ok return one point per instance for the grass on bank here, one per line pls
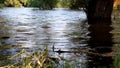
(39, 59)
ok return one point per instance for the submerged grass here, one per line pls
(39, 59)
(117, 61)
(116, 58)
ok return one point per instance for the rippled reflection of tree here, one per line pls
(100, 44)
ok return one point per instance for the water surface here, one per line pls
(64, 31)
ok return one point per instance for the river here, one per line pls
(65, 32)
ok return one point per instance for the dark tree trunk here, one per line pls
(100, 43)
(100, 9)
(99, 17)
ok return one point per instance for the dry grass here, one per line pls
(39, 59)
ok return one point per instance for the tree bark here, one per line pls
(99, 9)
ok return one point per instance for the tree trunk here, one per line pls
(100, 9)
(100, 43)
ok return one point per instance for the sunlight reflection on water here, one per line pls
(35, 28)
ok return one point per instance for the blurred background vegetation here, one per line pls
(50, 4)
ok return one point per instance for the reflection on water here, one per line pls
(101, 44)
(59, 29)
(64, 31)
(35, 27)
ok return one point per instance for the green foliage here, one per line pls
(77, 4)
(37, 59)
(117, 61)
(43, 4)
(24, 2)
(2, 3)
(118, 7)
(63, 3)
(46, 4)
(49, 4)
(15, 3)
(73, 4)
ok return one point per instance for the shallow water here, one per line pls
(64, 31)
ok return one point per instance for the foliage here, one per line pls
(15, 3)
(1, 3)
(117, 61)
(43, 4)
(74, 4)
(37, 59)
(77, 4)
(63, 3)
(118, 7)
(46, 4)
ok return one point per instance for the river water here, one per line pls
(65, 32)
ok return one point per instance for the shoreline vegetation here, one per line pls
(42, 59)
(37, 59)
(50, 4)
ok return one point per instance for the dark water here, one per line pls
(64, 31)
